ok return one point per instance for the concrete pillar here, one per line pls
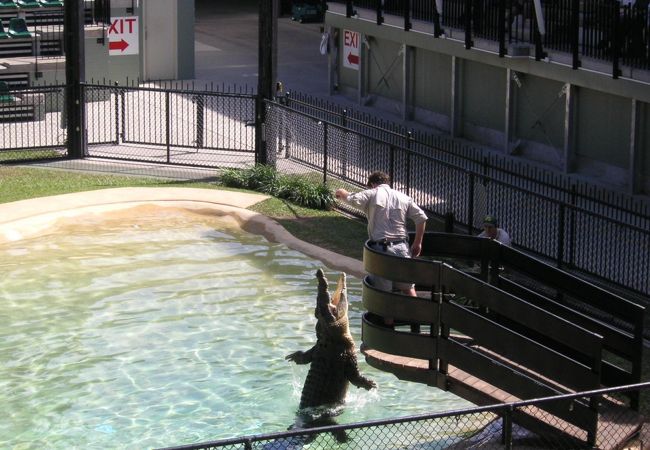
(634, 184)
(456, 126)
(570, 111)
(364, 64)
(408, 81)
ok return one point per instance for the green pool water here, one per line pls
(165, 329)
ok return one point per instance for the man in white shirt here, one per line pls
(491, 230)
(387, 211)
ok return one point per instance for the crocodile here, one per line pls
(333, 360)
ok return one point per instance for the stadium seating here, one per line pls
(28, 3)
(3, 33)
(8, 4)
(18, 28)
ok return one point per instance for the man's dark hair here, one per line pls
(378, 178)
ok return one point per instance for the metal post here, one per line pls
(561, 236)
(437, 29)
(167, 124)
(502, 28)
(616, 40)
(407, 15)
(391, 170)
(325, 156)
(380, 12)
(468, 24)
(73, 22)
(575, 33)
(267, 63)
(470, 205)
(117, 118)
(349, 11)
(507, 427)
(200, 119)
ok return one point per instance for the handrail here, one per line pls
(586, 338)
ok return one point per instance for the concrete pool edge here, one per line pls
(25, 218)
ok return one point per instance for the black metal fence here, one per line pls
(604, 30)
(42, 35)
(171, 124)
(575, 225)
(494, 427)
(31, 124)
(574, 231)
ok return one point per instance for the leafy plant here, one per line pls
(307, 193)
(294, 188)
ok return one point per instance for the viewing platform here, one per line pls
(503, 327)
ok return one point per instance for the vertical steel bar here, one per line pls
(559, 258)
(325, 153)
(167, 130)
(502, 28)
(468, 24)
(575, 33)
(380, 11)
(470, 204)
(407, 14)
(616, 40)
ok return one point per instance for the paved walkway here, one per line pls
(25, 218)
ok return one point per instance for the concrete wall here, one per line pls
(385, 69)
(575, 121)
(538, 117)
(603, 134)
(483, 110)
(432, 86)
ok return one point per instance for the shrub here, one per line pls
(305, 193)
(293, 188)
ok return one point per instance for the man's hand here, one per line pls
(416, 249)
(341, 194)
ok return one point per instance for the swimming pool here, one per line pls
(155, 328)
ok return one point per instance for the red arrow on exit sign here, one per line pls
(353, 59)
(120, 45)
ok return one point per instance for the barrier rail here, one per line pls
(607, 31)
(510, 346)
(564, 229)
(490, 426)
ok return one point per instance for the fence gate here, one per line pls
(171, 126)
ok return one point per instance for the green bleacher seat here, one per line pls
(28, 3)
(5, 96)
(8, 4)
(3, 33)
(50, 3)
(18, 28)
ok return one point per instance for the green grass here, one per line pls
(328, 229)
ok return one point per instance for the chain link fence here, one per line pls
(562, 230)
(171, 125)
(523, 424)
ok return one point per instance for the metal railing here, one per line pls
(568, 230)
(619, 206)
(603, 30)
(171, 124)
(494, 426)
(198, 127)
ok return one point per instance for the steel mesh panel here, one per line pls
(172, 127)
(621, 252)
(102, 115)
(532, 222)
(439, 188)
(32, 125)
(227, 122)
(295, 137)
